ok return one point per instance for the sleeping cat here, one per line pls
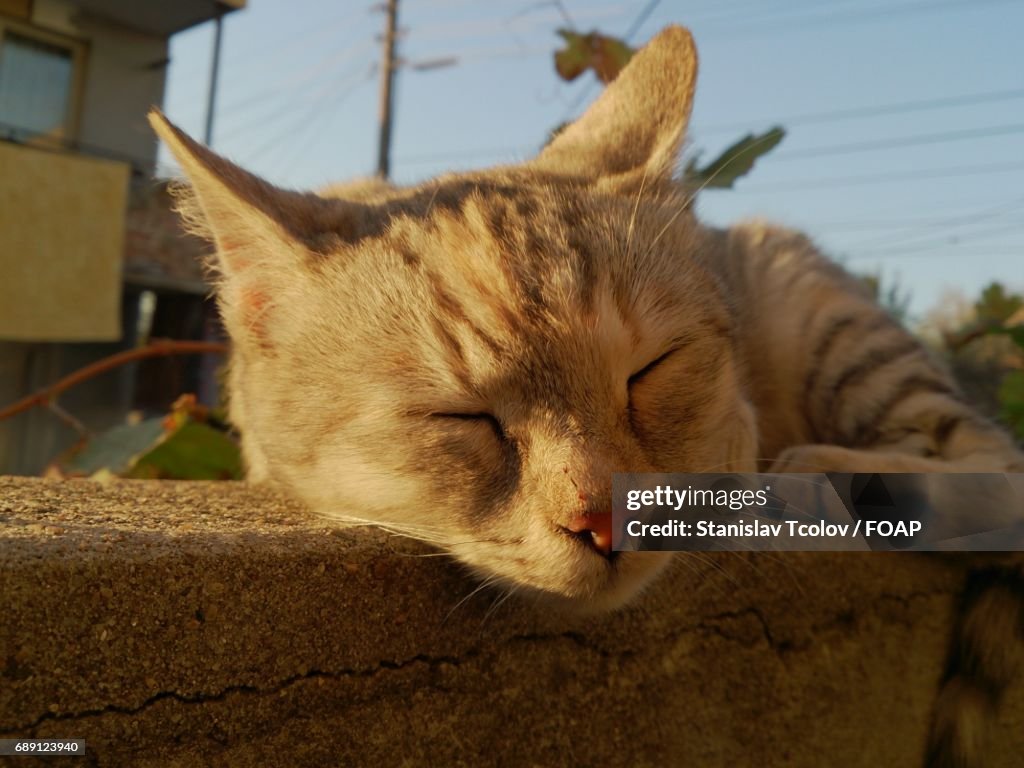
(469, 360)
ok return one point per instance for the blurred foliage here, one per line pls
(995, 306)
(990, 346)
(1011, 389)
(607, 56)
(1011, 395)
(891, 296)
(601, 53)
(189, 443)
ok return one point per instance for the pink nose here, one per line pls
(594, 529)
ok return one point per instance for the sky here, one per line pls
(904, 151)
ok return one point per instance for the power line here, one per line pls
(933, 173)
(1016, 251)
(308, 76)
(641, 19)
(297, 143)
(752, 11)
(530, 22)
(942, 224)
(279, 139)
(941, 241)
(794, 185)
(482, 152)
(788, 24)
(830, 19)
(461, 55)
(270, 56)
(279, 110)
(913, 222)
(807, 118)
(834, 149)
(904, 141)
(871, 111)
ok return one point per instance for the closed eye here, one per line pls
(639, 375)
(483, 418)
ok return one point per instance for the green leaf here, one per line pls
(194, 451)
(116, 450)
(180, 446)
(1011, 397)
(734, 162)
(605, 55)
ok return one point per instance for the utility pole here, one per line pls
(211, 100)
(387, 80)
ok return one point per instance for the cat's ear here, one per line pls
(265, 237)
(637, 125)
(243, 214)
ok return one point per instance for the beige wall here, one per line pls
(62, 227)
(61, 239)
(125, 72)
(61, 244)
(123, 76)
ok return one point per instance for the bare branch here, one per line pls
(160, 348)
(67, 418)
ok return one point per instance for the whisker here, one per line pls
(689, 200)
(433, 197)
(714, 467)
(684, 560)
(428, 554)
(351, 520)
(483, 585)
(711, 560)
(636, 208)
(498, 603)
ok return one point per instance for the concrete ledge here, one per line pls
(174, 624)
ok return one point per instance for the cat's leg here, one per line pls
(987, 653)
(843, 387)
(829, 369)
(835, 458)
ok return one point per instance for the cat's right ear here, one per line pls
(264, 236)
(636, 128)
(239, 211)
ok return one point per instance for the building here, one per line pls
(91, 261)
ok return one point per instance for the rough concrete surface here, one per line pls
(188, 624)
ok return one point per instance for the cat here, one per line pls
(469, 360)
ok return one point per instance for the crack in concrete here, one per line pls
(709, 624)
(204, 698)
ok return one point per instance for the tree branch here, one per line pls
(159, 348)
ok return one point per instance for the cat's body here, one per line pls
(469, 361)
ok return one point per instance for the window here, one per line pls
(37, 85)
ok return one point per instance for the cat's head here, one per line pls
(470, 360)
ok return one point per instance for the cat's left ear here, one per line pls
(636, 127)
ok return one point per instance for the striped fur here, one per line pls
(467, 361)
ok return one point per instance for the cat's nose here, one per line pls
(595, 530)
